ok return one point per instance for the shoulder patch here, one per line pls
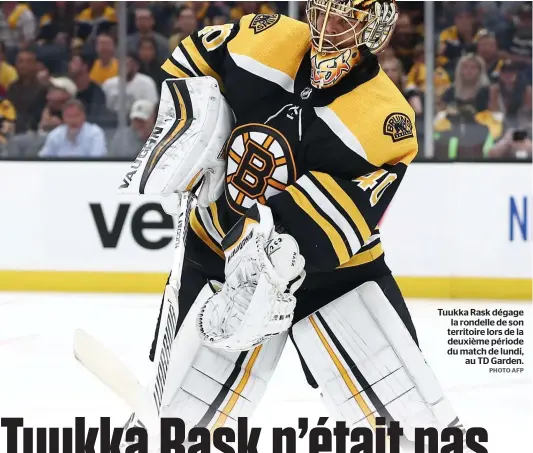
(262, 22)
(398, 126)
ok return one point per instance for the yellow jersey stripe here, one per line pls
(172, 69)
(345, 201)
(330, 231)
(364, 257)
(202, 234)
(216, 222)
(199, 61)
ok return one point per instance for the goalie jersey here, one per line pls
(327, 162)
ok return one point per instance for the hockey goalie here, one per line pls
(293, 141)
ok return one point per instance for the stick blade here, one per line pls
(107, 367)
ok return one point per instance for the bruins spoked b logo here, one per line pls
(260, 164)
(262, 22)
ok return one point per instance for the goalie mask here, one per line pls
(340, 29)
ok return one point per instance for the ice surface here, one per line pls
(41, 381)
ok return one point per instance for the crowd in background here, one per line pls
(59, 82)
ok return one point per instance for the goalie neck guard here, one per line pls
(342, 31)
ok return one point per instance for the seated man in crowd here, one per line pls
(150, 63)
(129, 141)
(487, 48)
(460, 38)
(88, 92)
(61, 90)
(97, 18)
(76, 137)
(404, 41)
(145, 23)
(27, 94)
(106, 65)
(57, 26)
(138, 86)
(185, 24)
(416, 79)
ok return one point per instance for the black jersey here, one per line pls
(327, 162)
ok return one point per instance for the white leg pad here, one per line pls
(213, 387)
(367, 365)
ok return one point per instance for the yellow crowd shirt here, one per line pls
(100, 73)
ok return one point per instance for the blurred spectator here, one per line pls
(416, 79)
(515, 144)
(489, 15)
(149, 61)
(138, 86)
(57, 26)
(393, 68)
(458, 39)
(43, 73)
(386, 54)
(220, 16)
(463, 133)
(185, 24)
(516, 40)
(8, 74)
(404, 41)
(18, 27)
(8, 117)
(415, 11)
(487, 48)
(76, 137)
(27, 94)
(106, 65)
(128, 142)
(144, 21)
(471, 84)
(212, 13)
(61, 90)
(243, 8)
(466, 128)
(89, 93)
(511, 94)
(98, 18)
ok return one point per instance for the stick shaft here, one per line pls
(169, 314)
(186, 204)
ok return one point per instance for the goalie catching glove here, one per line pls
(263, 270)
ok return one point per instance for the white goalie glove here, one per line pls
(185, 147)
(263, 270)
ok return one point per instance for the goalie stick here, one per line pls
(145, 402)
